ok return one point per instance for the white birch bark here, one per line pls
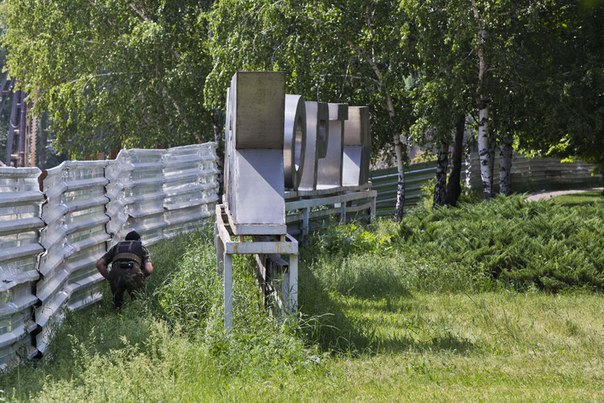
(398, 149)
(484, 150)
(484, 153)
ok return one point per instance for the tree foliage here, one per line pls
(567, 105)
(326, 48)
(110, 73)
(152, 73)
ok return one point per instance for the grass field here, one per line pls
(388, 313)
(595, 197)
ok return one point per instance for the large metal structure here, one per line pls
(255, 177)
(283, 177)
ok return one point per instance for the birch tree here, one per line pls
(445, 87)
(484, 139)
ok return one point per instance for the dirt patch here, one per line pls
(546, 195)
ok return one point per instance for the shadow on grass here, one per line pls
(447, 342)
(329, 326)
(354, 326)
(580, 199)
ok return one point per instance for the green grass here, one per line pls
(594, 197)
(389, 312)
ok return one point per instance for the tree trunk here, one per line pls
(400, 183)
(440, 189)
(398, 147)
(218, 128)
(454, 183)
(484, 151)
(505, 165)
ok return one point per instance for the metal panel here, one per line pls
(259, 99)
(259, 190)
(357, 147)
(20, 200)
(330, 168)
(254, 149)
(294, 140)
(316, 142)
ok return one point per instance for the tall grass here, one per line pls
(157, 346)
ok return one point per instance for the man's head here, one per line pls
(133, 236)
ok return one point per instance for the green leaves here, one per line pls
(111, 74)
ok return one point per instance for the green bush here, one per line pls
(522, 244)
(352, 238)
(477, 246)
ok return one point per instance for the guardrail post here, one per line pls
(305, 223)
(343, 213)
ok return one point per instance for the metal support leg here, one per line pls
(219, 246)
(292, 274)
(343, 213)
(305, 223)
(228, 292)
(373, 210)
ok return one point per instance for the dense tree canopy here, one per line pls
(112, 73)
(344, 51)
(153, 73)
(567, 100)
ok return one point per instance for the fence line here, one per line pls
(50, 239)
(20, 201)
(307, 211)
(527, 175)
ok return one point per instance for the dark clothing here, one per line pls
(127, 273)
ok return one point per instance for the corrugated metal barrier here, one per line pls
(51, 239)
(20, 201)
(527, 175)
(534, 174)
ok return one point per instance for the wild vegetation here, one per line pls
(387, 312)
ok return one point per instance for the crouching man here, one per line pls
(130, 264)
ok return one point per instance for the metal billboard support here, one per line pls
(226, 247)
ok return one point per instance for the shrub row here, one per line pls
(479, 246)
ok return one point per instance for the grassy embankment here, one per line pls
(494, 301)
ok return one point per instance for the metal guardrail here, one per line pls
(136, 193)
(74, 237)
(384, 181)
(51, 239)
(191, 187)
(307, 211)
(533, 174)
(527, 175)
(20, 200)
